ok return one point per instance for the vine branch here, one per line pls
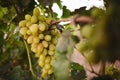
(77, 19)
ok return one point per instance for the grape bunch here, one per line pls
(41, 37)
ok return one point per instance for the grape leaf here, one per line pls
(61, 64)
(66, 12)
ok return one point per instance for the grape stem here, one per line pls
(29, 59)
(76, 19)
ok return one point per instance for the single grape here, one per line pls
(45, 51)
(41, 63)
(48, 20)
(51, 52)
(41, 36)
(33, 19)
(45, 44)
(44, 75)
(47, 37)
(29, 32)
(48, 59)
(23, 30)
(36, 11)
(47, 66)
(41, 18)
(42, 57)
(30, 39)
(54, 40)
(28, 24)
(27, 17)
(35, 45)
(52, 47)
(50, 71)
(33, 49)
(40, 48)
(36, 39)
(42, 27)
(87, 31)
(34, 29)
(22, 23)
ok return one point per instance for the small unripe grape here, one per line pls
(45, 44)
(45, 51)
(47, 37)
(33, 19)
(29, 32)
(37, 54)
(50, 71)
(22, 23)
(36, 11)
(52, 47)
(47, 66)
(41, 63)
(30, 39)
(40, 48)
(54, 40)
(41, 36)
(33, 49)
(25, 37)
(34, 29)
(23, 31)
(42, 27)
(82, 45)
(42, 57)
(28, 24)
(51, 52)
(52, 32)
(48, 59)
(27, 17)
(44, 75)
(35, 45)
(41, 18)
(36, 39)
(48, 20)
(87, 31)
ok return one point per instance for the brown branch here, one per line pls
(77, 19)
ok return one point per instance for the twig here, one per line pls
(77, 19)
(29, 59)
(12, 19)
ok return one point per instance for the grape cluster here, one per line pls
(41, 37)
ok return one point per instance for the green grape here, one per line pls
(52, 32)
(45, 44)
(47, 66)
(33, 19)
(33, 49)
(40, 48)
(52, 47)
(25, 37)
(22, 23)
(54, 40)
(41, 63)
(29, 32)
(44, 70)
(48, 20)
(34, 29)
(47, 37)
(36, 11)
(36, 39)
(30, 39)
(82, 46)
(45, 51)
(51, 52)
(42, 57)
(41, 18)
(44, 75)
(34, 45)
(37, 55)
(48, 59)
(28, 24)
(23, 30)
(42, 27)
(27, 17)
(87, 31)
(50, 71)
(41, 36)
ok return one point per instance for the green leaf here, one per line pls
(59, 3)
(77, 66)
(61, 64)
(66, 12)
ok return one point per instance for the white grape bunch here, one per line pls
(41, 38)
